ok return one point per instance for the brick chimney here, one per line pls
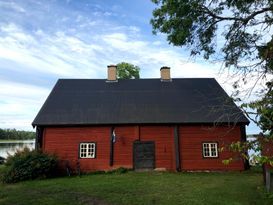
(112, 73)
(165, 73)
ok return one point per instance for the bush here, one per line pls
(26, 164)
(2, 160)
(120, 170)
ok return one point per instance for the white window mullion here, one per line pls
(87, 150)
(210, 150)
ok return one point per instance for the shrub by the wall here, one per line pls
(120, 170)
(2, 160)
(27, 164)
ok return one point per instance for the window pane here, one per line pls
(210, 150)
(87, 150)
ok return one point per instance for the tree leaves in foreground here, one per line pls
(13, 134)
(263, 110)
(244, 27)
(127, 71)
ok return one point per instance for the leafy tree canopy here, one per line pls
(127, 71)
(245, 27)
(264, 110)
(8, 134)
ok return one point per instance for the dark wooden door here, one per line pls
(144, 155)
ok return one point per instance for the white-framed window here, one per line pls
(87, 150)
(210, 149)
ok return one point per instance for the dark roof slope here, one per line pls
(93, 102)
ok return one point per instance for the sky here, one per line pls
(42, 41)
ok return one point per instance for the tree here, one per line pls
(236, 32)
(245, 27)
(127, 71)
(264, 110)
(7, 134)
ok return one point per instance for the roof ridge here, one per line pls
(133, 79)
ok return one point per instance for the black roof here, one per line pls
(142, 101)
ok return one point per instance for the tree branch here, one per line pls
(243, 20)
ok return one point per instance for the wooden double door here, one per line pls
(144, 155)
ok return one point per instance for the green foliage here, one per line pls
(26, 164)
(2, 159)
(263, 110)
(120, 170)
(256, 145)
(261, 113)
(8, 134)
(196, 24)
(227, 161)
(127, 71)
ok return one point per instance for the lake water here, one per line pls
(11, 146)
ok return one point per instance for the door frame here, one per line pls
(144, 142)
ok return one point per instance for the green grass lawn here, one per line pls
(141, 188)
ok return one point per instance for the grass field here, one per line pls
(141, 188)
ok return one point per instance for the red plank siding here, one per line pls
(191, 139)
(164, 144)
(123, 147)
(64, 142)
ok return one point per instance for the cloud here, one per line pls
(151, 56)
(19, 103)
(59, 54)
(13, 6)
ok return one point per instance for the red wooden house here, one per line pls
(165, 124)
